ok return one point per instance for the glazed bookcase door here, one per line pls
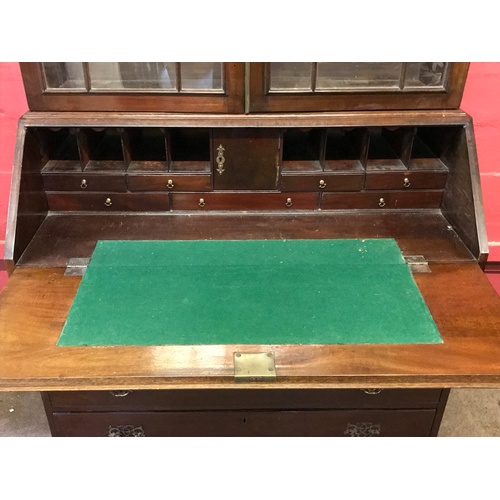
(326, 86)
(204, 87)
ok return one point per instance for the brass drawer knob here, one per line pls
(322, 184)
(170, 184)
(107, 202)
(381, 203)
(83, 184)
(406, 182)
(201, 203)
(288, 202)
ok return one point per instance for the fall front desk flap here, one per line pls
(248, 292)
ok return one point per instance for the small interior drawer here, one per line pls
(108, 201)
(381, 200)
(84, 181)
(405, 180)
(245, 201)
(322, 182)
(169, 182)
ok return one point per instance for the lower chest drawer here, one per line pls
(240, 399)
(351, 423)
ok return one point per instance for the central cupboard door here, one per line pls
(246, 159)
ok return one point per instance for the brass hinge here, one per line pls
(417, 263)
(76, 266)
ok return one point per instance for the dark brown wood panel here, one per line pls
(379, 200)
(235, 399)
(169, 182)
(249, 158)
(322, 182)
(348, 423)
(405, 180)
(111, 202)
(245, 201)
(61, 236)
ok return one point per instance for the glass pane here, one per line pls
(355, 75)
(201, 76)
(64, 75)
(290, 76)
(132, 75)
(425, 74)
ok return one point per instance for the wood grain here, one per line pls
(35, 303)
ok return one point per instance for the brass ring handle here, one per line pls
(201, 203)
(119, 394)
(107, 202)
(372, 391)
(288, 202)
(406, 182)
(170, 184)
(83, 184)
(381, 203)
(322, 184)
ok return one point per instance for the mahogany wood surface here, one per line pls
(425, 232)
(35, 303)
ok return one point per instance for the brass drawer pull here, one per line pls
(406, 182)
(372, 391)
(381, 203)
(201, 203)
(170, 184)
(108, 202)
(119, 394)
(288, 202)
(83, 184)
(322, 184)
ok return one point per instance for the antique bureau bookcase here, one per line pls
(246, 151)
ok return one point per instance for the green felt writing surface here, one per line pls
(248, 292)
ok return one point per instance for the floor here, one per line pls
(470, 413)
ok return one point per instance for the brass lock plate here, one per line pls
(254, 367)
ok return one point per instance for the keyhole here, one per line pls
(244, 420)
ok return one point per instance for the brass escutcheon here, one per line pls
(107, 202)
(381, 203)
(220, 159)
(170, 184)
(201, 203)
(322, 184)
(288, 202)
(406, 182)
(83, 184)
